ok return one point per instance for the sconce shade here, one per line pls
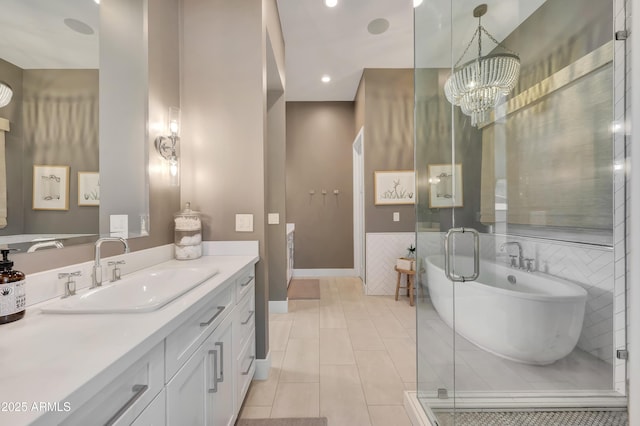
(5, 94)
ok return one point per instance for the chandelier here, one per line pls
(478, 85)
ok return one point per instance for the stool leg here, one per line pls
(408, 281)
(398, 285)
(410, 285)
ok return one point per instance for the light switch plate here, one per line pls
(244, 223)
(396, 216)
(119, 225)
(273, 219)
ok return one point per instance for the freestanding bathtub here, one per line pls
(536, 320)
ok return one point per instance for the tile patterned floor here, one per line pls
(346, 357)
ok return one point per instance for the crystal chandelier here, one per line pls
(478, 85)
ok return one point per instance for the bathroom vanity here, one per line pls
(188, 362)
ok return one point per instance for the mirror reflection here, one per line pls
(49, 182)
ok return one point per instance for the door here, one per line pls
(358, 206)
(517, 195)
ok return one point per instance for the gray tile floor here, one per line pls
(347, 357)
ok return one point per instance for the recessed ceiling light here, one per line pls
(98, 1)
(417, 3)
(78, 26)
(325, 78)
(331, 3)
(378, 26)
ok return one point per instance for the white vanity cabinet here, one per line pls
(203, 391)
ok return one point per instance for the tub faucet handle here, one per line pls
(514, 261)
(529, 264)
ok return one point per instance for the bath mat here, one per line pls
(534, 418)
(301, 421)
(304, 289)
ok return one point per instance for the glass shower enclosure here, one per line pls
(521, 208)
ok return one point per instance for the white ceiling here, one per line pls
(335, 41)
(33, 34)
(318, 40)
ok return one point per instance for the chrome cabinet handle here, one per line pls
(244, 373)
(214, 388)
(221, 346)
(138, 391)
(247, 283)
(447, 255)
(220, 309)
(245, 322)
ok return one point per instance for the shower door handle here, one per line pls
(448, 239)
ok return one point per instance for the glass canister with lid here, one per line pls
(188, 234)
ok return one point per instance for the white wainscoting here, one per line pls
(383, 248)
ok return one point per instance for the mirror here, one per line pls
(54, 171)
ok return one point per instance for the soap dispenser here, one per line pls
(12, 291)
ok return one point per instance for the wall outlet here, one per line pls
(244, 223)
(119, 225)
(396, 216)
(273, 219)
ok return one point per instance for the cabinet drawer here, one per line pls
(245, 317)
(122, 400)
(245, 282)
(246, 367)
(184, 341)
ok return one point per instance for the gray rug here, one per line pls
(301, 421)
(304, 289)
(533, 418)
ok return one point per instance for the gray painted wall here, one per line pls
(388, 141)
(319, 139)
(224, 105)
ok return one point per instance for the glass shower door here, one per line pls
(516, 204)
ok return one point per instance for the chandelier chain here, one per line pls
(478, 33)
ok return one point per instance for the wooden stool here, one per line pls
(409, 285)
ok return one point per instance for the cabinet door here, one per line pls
(202, 391)
(187, 392)
(222, 392)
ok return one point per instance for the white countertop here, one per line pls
(67, 358)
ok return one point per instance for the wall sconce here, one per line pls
(5, 94)
(167, 146)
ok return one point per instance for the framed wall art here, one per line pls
(445, 185)
(88, 189)
(50, 188)
(395, 187)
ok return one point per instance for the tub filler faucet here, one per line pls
(96, 280)
(516, 261)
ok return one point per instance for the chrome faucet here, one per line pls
(45, 244)
(97, 268)
(516, 262)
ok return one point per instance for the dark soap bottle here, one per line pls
(12, 291)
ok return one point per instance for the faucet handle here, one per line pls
(514, 261)
(115, 275)
(529, 264)
(70, 285)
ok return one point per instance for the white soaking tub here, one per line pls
(536, 320)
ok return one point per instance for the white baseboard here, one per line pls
(414, 410)
(324, 272)
(278, 306)
(263, 366)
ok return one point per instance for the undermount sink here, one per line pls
(139, 292)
